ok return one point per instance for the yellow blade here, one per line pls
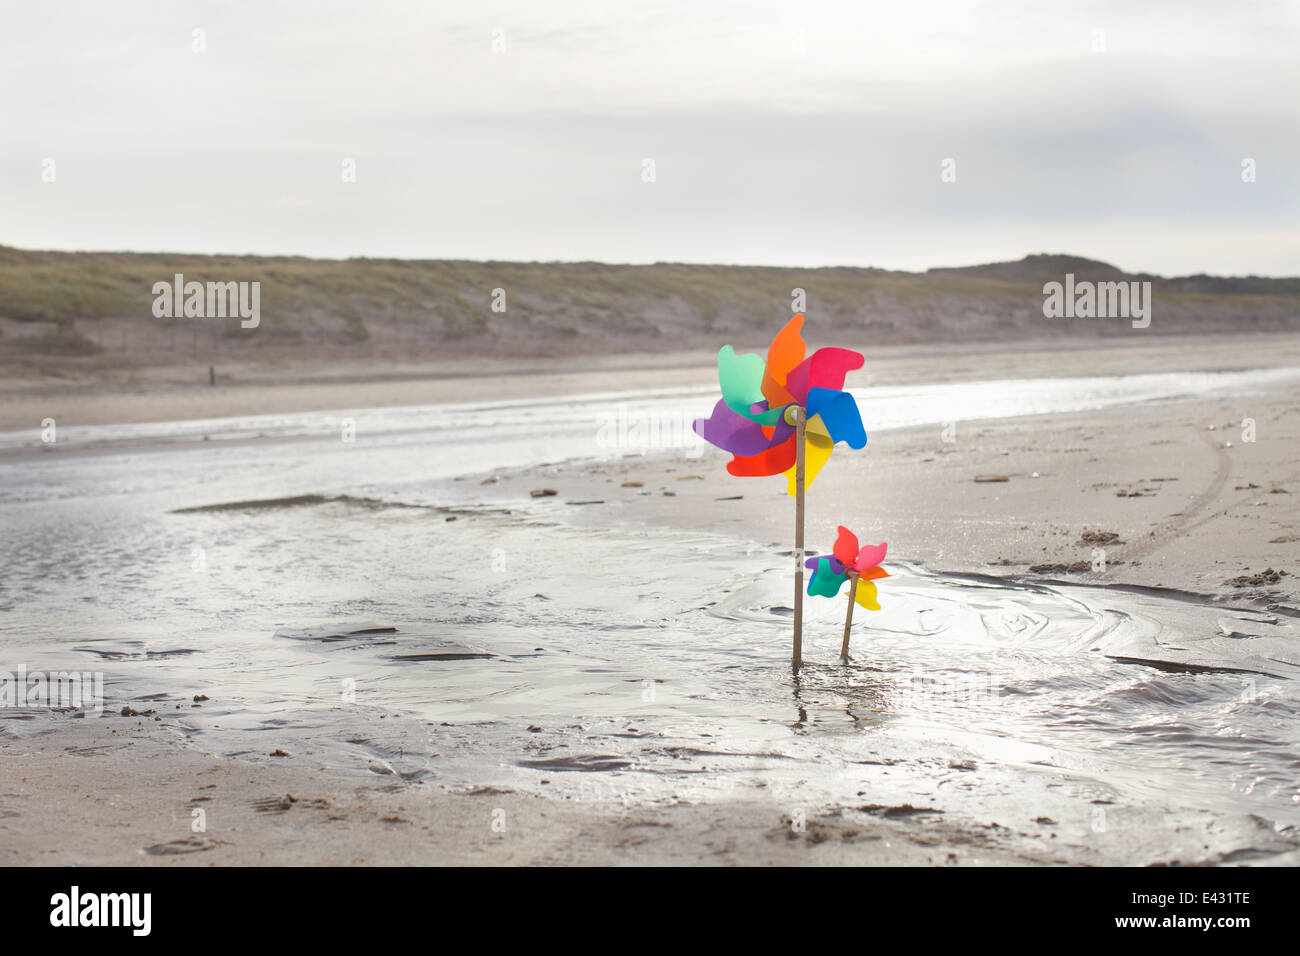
(817, 448)
(866, 595)
(816, 426)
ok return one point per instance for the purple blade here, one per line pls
(837, 566)
(736, 433)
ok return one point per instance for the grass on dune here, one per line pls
(453, 298)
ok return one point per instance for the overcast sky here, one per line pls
(800, 133)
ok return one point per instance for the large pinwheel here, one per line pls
(756, 418)
(783, 416)
(848, 562)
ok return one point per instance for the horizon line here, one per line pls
(643, 264)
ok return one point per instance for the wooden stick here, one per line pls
(848, 618)
(796, 660)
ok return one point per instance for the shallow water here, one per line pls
(650, 667)
(515, 433)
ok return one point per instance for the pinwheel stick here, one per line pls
(848, 618)
(800, 424)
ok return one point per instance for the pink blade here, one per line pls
(870, 556)
(825, 368)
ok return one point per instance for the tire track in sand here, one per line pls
(1186, 520)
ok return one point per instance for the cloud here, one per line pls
(809, 134)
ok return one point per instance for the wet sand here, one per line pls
(121, 792)
(1192, 506)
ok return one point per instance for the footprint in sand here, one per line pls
(194, 844)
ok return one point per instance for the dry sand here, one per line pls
(1189, 504)
(1188, 513)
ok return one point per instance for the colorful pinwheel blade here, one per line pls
(870, 556)
(774, 461)
(837, 566)
(817, 448)
(739, 435)
(825, 368)
(824, 581)
(846, 545)
(872, 574)
(765, 416)
(741, 379)
(866, 595)
(839, 414)
(816, 426)
(785, 352)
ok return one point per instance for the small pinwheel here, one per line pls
(848, 562)
(783, 416)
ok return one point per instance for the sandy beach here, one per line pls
(1178, 502)
(663, 435)
(135, 391)
(117, 792)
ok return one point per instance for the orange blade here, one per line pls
(785, 352)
